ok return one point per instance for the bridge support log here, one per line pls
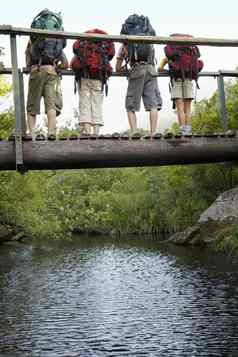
(102, 153)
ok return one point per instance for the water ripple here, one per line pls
(131, 298)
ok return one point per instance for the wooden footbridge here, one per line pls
(112, 150)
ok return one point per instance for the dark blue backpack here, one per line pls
(139, 25)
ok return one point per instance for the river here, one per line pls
(102, 297)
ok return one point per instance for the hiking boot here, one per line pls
(136, 135)
(84, 136)
(51, 137)
(11, 137)
(73, 137)
(147, 137)
(27, 137)
(125, 137)
(156, 136)
(168, 135)
(107, 136)
(40, 137)
(115, 136)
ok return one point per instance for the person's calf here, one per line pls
(132, 121)
(51, 116)
(96, 129)
(31, 122)
(153, 121)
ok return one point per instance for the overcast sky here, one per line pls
(201, 19)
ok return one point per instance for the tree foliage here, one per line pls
(6, 117)
(138, 200)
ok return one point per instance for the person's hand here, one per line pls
(162, 70)
(61, 66)
(123, 69)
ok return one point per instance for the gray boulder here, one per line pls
(223, 210)
(215, 223)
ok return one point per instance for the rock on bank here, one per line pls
(217, 224)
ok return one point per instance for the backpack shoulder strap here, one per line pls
(196, 51)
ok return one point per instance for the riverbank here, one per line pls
(10, 234)
(216, 226)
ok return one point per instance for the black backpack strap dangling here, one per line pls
(77, 82)
(106, 87)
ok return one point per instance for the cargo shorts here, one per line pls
(90, 101)
(142, 83)
(182, 89)
(42, 83)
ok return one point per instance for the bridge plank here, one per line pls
(79, 154)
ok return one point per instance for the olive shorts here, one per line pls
(142, 83)
(42, 83)
(182, 89)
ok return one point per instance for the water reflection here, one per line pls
(97, 297)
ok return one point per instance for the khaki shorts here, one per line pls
(143, 84)
(90, 102)
(182, 89)
(42, 83)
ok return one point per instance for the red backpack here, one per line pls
(92, 58)
(183, 60)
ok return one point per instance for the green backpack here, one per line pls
(47, 50)
(48, 20)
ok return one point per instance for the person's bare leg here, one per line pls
(81, 128)
(87, 128)
(51, 116)
(96, 129)
(31, 122)
(153, 120)
(132, 121)
(180, 111)
(187, 111)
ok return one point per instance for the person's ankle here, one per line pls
(51, 131)
(96, 129)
